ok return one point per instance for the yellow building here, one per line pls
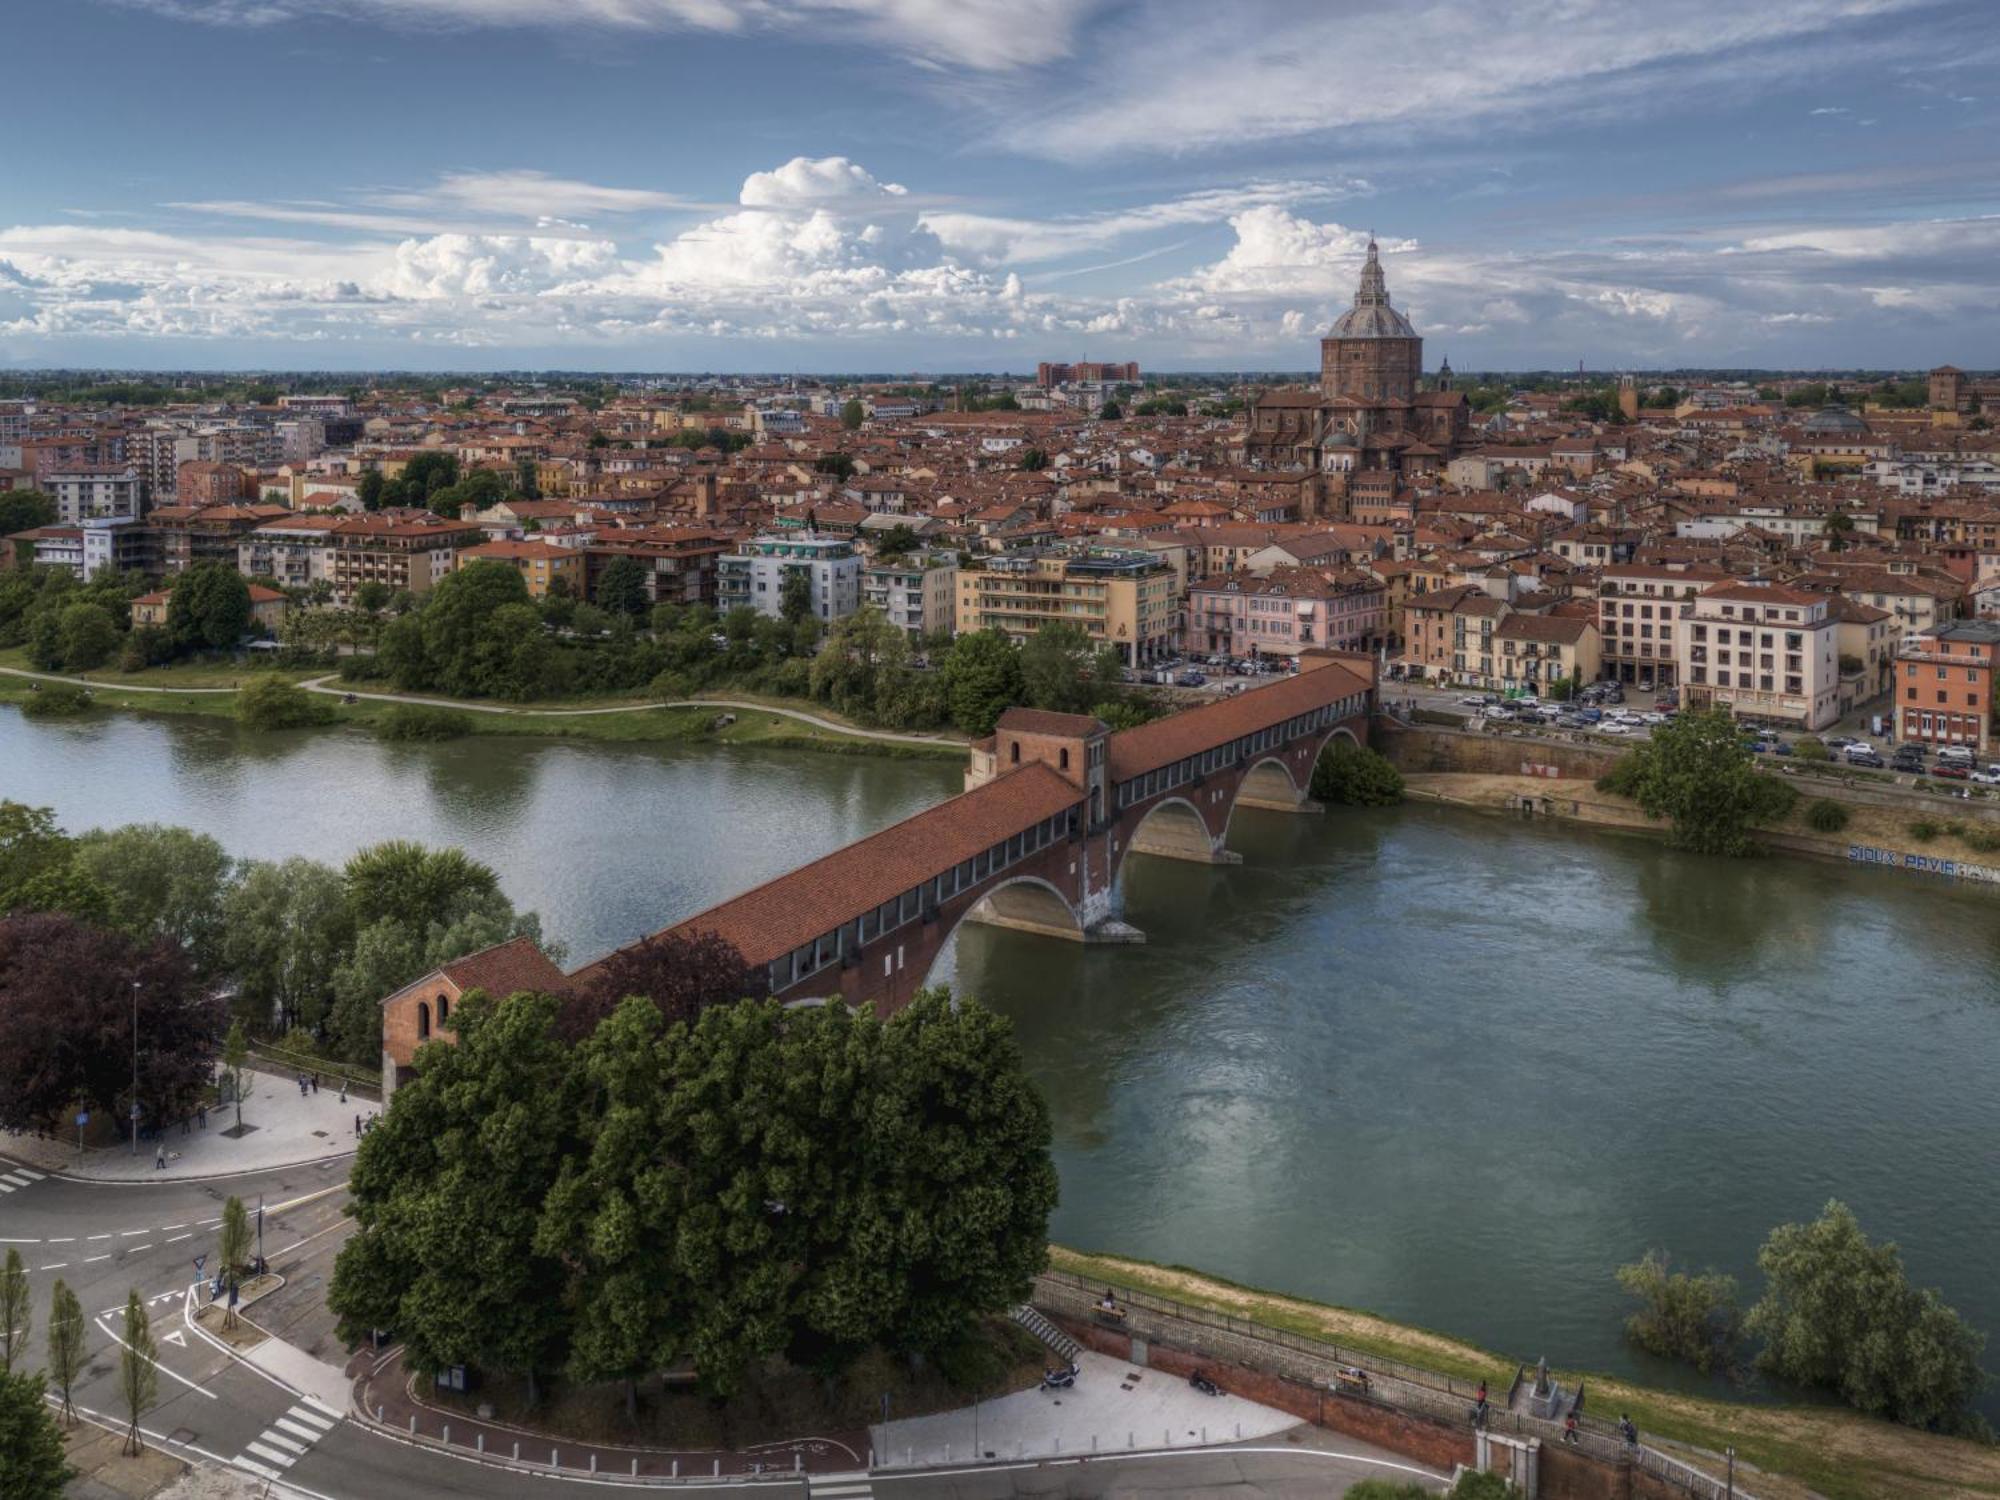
(540, 563)
(1126, 600)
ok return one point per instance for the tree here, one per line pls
(423, 477)
(1691, 1318)
(1838, 1312)
(236, 1067)
(527, 480)
(32, 848)
(162, 883)
(1839, 526)
(66, 1022)
(24, 510)
(372, 597)
(1061, 670)
(847, 670)
(898, 541)
(683, 974)
(369, 492)
(839, 465)
(852, 415)
(1111, 411)
(795, 596)
(621, 588)
(1350, 775)
(88, 636)
(209, 608)
(1697, 772)
(447, 1192)
(285, 926)
(232, 1251)
(138, 1372)
(467, 651)
(67, 1353)
(404, 881)
(1034, 459)
(31, 1443)
(982, 678)
(15, 1313)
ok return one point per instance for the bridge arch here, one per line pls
(1174, 828)
(1271, 780)
(1024, 903)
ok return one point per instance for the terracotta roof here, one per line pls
(1164, 741)
(786, 913)
(1043, 721)
(505, 969)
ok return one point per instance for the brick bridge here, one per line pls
(1054, 803)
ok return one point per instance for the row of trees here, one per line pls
(756, 1183)
(297, 943)
(478, 634)
(1838, 1314)
(70, 625)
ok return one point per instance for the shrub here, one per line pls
(1622, 780)
(56, 700)
(1982, 840)
(421, 721)
(1809, 747)
(367, 668)
(1691, 1318)
(1826, 816)
(1350, 775)
(1925, 829)
(1387, 1489)
(270, 702)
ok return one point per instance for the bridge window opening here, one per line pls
(423, 1020)
(865, 926)
(965, 875)
(912, 903)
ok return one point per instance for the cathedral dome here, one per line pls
(1372, 317)
(1834, 420)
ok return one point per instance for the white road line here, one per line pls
(127, 1233)
(106, 1236)
(56, 1266)
(62, 1239)
(30, 1173)
(260, 1470)
(165, 1227)
(290, 1445)
(315, 1414)
(11, 1177)
(179, 1237)
(93, 1259)
(271, 1455)
(6, 1187)
(19, 1242)
(163, 1369)
(297, 1429)
(135, 1249)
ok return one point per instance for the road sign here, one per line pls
(198, 1264)
(82, 1118)
(135, 1109)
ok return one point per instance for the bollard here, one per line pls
(798, 1461)
(1239, 1432)
(446, 1439)
(1093, 1442)
(517, 1450)
(479, 1443)
(635, 1468)
(555, 1458)
(947, 1452)
(718, 1468)
(677, 1468)
(1131, 1440)
(378, 1411)
(413, 1424)
(1204, 1436)
(1059, 1442)
(593, 1463)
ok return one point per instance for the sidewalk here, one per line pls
(283, 1130)
(381, 1397)
(1113, 1407)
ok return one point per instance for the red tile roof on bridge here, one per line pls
(791, 911)
(1136, 751)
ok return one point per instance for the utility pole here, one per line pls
(135, 1067)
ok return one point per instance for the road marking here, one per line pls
(127, 1233)
(179, 1237)
(272, 1455)
(163, 1369)
(106, 1236)
(8, 1187)
(15, 1178)
(176, 1337)
(288, 1439)
(290, 1445)
(62, 1239)
(93, 1259)
(297, 1429)
(54, 1266)
(165, 1227)
(135, 1249)
(29, 1173)
(260, 1470)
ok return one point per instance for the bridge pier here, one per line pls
(1036, 909)
(1300, 803)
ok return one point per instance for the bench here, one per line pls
(1351, 1379)
(1115, 1313)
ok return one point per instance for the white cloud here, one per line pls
(488, 265)
(988, 35)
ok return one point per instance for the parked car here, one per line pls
(1468, 701)
(1839, 742)
(1496, 711)
(1193, 679)
(1957, 755)
(1783, 747)
(1988, 777)
(1862, 755)
(1951, 770)
(1590, 715)
(1612, 726)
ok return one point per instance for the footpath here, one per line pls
(282, 1128)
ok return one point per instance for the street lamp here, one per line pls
(135, 1067)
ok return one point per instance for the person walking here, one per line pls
(315, 1083)
(1569, 1430)
(343, 1091)
(357, 1127)
(201, 1115)
(160, 1157)
(1627, 1430)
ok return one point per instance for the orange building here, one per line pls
(1944, 685)
(541, 563)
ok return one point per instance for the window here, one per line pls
(1014, 751)
(423, 1020)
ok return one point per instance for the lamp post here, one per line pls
(135, 1067)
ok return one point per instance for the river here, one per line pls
(1441, 1066)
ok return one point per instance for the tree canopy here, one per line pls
(209, 608)
(1697, 772)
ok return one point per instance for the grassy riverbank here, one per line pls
(208, 691)
(1801, 1450)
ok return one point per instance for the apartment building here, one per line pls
(84, 490)
(1761, 651)
(294, 552)
(1638, 613)
(394, 550)
(917, 592)
(1944, 685)
(1123, 599)
(1534, 651)
(754, 575)
(682, 565)
(544, 567)
(1286, 611)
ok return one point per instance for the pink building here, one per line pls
(1286, 611)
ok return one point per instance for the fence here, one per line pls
(360, 1081)
(1319, 1363)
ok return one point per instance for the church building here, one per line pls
(1370, 410)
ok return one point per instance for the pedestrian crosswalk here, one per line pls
(287, 1440)
(18, 1177)
(853, 1486)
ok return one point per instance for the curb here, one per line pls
(163, 1178)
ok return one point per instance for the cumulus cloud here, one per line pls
(489, 265)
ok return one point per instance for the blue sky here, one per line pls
(935, 185)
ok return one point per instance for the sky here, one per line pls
(978, 185)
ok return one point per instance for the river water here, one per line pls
(1441, 1066)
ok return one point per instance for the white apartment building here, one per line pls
(94, 490)
(295, 551)
(917, 592)
(1762, 651)
(755, 575)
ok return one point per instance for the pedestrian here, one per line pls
(201, 1115)
(160, 1157)
(315, 1083)
(1569, 1429)
(343, 1091)
(1482, 1393)
(1630, 1432)
(357, 1127)
(187, 1125)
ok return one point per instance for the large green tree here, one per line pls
(621, 587)
(68, 1350)
(163, 882)
(209, 608)
(1697, 772)
(32, 1462)
(448, 1191)
(88, 636)
(1063, 672)
(1839, 1312)
(24, 510)
(468, 643)
(982, 677)
(286, 925)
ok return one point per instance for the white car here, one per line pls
(1988, 777)
(1496, 711)
(1472, 703)
(1653, 718)
(1612, 726)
